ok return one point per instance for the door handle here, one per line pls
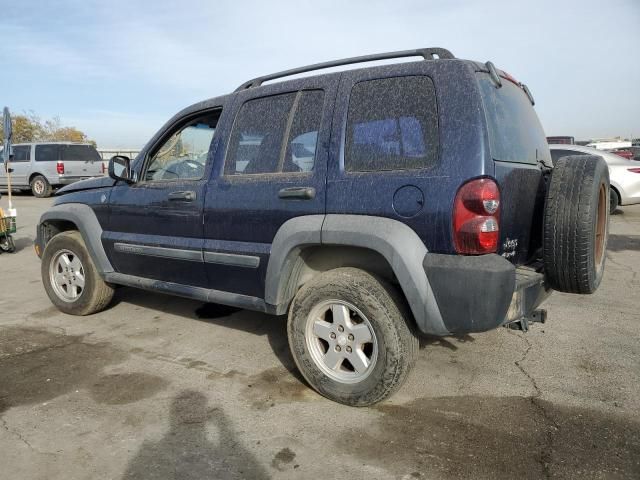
(297, 193)
(187, 196)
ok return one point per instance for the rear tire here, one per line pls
(350, 336)
(70, 277)
(614, 201)
(40, 187)
(576, 224)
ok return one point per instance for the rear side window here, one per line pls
(21, 154)
(303, 136)
(392, 124)
(515, 133)
(263, 124)
(556, 154)
(47, 153)
(83, 153)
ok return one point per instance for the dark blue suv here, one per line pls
(370, 205)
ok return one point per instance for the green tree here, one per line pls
(28, 127)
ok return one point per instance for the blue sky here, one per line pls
(119, 69)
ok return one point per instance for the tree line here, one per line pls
(28, 127)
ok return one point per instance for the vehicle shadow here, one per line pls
(22, 243)
(444, 342)
(185, 452)
(618, 243)
(271, 326)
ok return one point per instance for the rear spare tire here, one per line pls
(576, 224)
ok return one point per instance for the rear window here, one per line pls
(79, 153)
(392, 124)
(515, 133)
(47, 153)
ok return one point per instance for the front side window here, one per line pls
(392, 124)
(263, 124)
(21, 153)
(47, 153)
(183, 156)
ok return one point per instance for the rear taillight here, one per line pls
(634, 170)
(476, 217)
(104, 168)
(60, 168)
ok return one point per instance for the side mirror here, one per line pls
(120, 168)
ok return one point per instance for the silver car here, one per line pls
(624, 174)
(41, 167)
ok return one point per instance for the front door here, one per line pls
(272, 169)
(155, 224)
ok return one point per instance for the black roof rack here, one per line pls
(426, 53)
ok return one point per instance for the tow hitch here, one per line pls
(537, 316)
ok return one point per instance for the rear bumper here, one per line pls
(476, 294)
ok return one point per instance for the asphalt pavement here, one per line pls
(159, 387)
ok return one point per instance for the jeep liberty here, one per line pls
(371, 206)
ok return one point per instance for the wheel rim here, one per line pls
(601, 225)
(66, 274)
(341, 341)
(38, 187)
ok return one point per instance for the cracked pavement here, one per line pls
(158, 387)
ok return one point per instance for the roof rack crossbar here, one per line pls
(426, 53)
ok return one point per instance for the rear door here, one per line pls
(81, 161)
(517, 143)
(272, 169)
(387, 140)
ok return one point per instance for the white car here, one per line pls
(624, 174)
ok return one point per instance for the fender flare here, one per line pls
(85, 219)
(395, 241)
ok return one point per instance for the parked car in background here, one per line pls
(624, 174)
(635, 151)
(624, 153)
(565, 140)
(42, 167)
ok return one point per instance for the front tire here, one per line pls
(350, 336)
(40, 187)
(70, 277)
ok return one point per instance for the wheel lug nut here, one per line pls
(333, 335)
(349, 349)
(340, 328)
(338, 348)
(350, 337)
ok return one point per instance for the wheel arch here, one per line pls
(33, 175)
(307, 246)
(616, 189)
(74, 216)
